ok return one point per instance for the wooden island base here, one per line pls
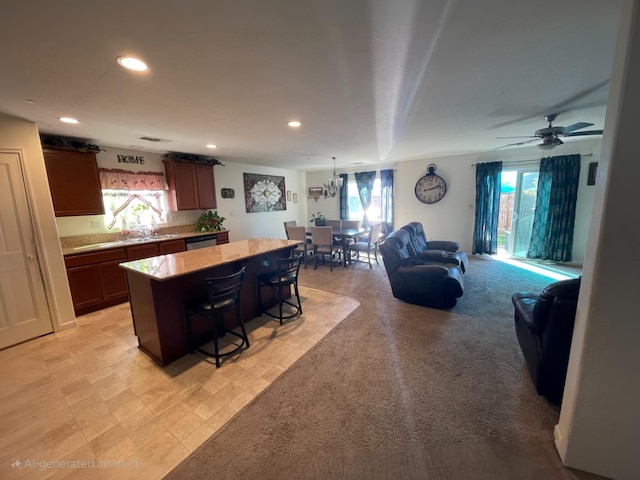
(159, 286)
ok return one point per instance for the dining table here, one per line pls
(344, 234)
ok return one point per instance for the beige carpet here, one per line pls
(398, 391)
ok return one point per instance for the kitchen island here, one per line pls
(159, 286)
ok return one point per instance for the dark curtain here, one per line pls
(555, 213)
(364, 182)
(386, 211)
(344, 197)
(485, 231)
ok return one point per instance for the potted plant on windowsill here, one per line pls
(319, 219)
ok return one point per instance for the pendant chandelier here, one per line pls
(334, 183)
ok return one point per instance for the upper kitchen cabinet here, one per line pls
(74, 182)
(191, 185)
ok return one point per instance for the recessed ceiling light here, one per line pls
(132, 63)
(294, 124)
(68, 120)
(29, 101)
(137, 147)
(211, 145)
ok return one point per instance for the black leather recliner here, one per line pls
(544, 328)
(434, 251)
(414, 280)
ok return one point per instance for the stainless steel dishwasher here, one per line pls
(201, 241)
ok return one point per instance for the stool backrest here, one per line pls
(224, 292)
(289, 267)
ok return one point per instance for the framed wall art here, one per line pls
(264, 193)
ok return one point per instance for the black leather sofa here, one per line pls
(544, 328)
(417, 280)
(434, 251)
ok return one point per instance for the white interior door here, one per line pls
(24, 313)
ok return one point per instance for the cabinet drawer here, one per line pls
(222, 237)
(171, 246)
(142, 251)
(94, 257)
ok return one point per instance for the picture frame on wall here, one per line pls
(264, 193)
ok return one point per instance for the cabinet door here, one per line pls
(186, 186)
(171, 246)
(206, 186)
(74, 182)
(85, 286)
(142, 251)
(114, 281)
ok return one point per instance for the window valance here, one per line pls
(117, 179)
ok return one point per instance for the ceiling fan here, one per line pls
(550, 135)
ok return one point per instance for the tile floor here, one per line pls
(88, 394)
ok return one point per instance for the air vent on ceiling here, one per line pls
(154, 139)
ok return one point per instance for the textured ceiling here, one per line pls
(371, 81)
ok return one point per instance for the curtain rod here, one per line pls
(534, 160)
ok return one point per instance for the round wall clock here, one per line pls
(431, 188)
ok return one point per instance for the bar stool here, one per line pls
(223, 296)
(285, 276)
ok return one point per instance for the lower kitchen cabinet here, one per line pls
(95, 280)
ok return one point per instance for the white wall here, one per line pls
(452, 218)
(242, 225)
(599, 426)
(19, 134)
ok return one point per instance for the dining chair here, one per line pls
(368, 247)
(223, 295)
(334, 223)
(351, 223)
(289, 223)
(300, 233)
(323, 244)
(285, 275)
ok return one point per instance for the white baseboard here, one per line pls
(561, 442)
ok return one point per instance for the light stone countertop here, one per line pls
(99, 246)
(164, 267)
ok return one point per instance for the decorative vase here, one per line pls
(320, 222)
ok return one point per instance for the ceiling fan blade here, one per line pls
(522, 136)
(535, 139)
(586, 132)
(575, 126)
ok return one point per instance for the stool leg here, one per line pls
(295, 287)
(241, 322)
(280, 298)
(216, 324)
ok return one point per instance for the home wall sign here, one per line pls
(139, 159)
(264, 193)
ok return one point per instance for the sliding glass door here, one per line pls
(517, 204)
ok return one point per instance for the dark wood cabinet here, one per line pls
(191, 185)
(96, 281)
(222, 237)
(171, 246)
(74, 182)
(206, 186)
(142, 251)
